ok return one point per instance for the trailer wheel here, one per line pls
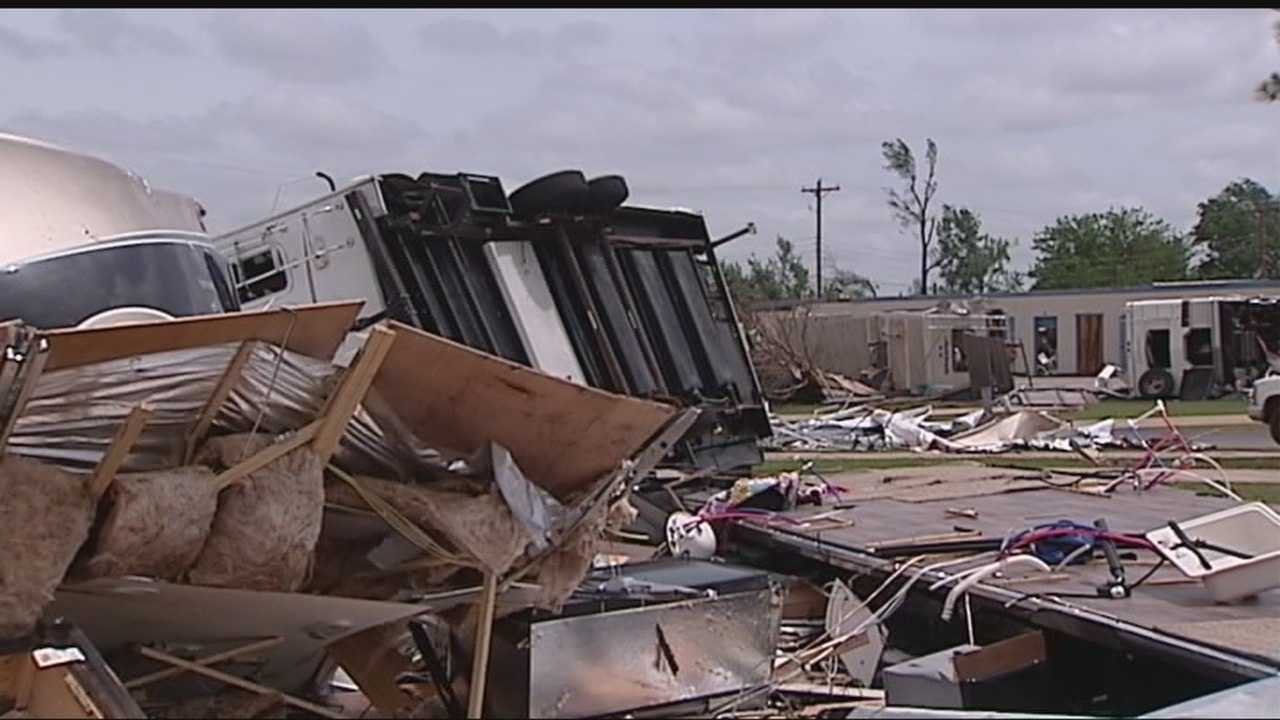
(607, 192)
(565, 191)
(1155, 383)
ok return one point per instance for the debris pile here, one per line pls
(224, 479)
(866, 428)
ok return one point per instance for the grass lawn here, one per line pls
(1177, 408)
(1100, 411)
(1262, 492)
(871, 462)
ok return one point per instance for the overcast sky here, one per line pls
(1037, 114)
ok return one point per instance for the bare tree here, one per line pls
(911, 208)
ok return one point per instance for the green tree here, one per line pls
(911, 206)
(970, 261)
(1117, 248)
(1238, 231)
(781, 276)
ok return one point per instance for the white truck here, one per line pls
(1264, 403)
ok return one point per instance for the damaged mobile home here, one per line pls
(420, 448)
(562, 276)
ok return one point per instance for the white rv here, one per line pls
(85, 242)
(1197, 347)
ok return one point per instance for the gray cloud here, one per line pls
(116, 32)
(1037, 113)
(25, 46)
(473, 36)
(296, 45)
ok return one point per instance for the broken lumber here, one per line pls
(239, 682)
(125, 437)
(342, 404)
(206, 661)
(221, 391)
(32, 368)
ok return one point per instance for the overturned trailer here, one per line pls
(560, 276)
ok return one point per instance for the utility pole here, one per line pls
(818, 191)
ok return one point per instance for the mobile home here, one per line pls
(1068, 332)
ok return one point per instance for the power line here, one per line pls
(817, 191)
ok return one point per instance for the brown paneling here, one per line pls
(317, 330)
(1088, 344)
(562, 435)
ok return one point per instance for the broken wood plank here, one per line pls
(24, 682)
(267, 455)
(125, 437)
(480, 659)
(33, 367)
(918, 539)
(315, 330)
(1025, 579)
(206, 661)
(221, 391)
(238, 682)
(342, 404)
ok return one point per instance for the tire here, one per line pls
(563, 192)
(607, 192)
(1155, 383)
(1273, 421)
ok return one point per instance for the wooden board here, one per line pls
(562, 435)
(317, 331)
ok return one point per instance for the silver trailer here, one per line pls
(85, 242)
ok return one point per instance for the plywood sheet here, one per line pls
(115, 612)
(1256, 636)
(562, 435)
(317, 330)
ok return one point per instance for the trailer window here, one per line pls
(959, 363)
(1158, 353)
(1199, 346)
(258, 275)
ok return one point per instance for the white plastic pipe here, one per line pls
(973, 578)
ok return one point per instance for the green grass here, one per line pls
(871, 462)
(1250, 492)
(1177, 408)
(1100, 411)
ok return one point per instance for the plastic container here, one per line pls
(1253, 529)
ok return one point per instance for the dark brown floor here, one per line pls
(1186, 610)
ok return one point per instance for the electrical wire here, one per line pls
(1138, 583)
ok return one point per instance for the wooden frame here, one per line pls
(221, 391)
(32, 368)
(116, 453)
(325, 433)
(239, 682)
(205, 661)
